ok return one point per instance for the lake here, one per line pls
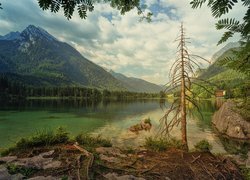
(108, 119)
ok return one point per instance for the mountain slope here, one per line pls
(37, 58)
(224, 49)
(136, 85)
(235, 83)
(216, 67)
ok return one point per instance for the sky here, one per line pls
(120, 42)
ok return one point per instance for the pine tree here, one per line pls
(182, 74)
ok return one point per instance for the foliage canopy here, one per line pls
(85, 6)
(219, 8)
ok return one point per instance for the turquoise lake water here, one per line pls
(108, 119)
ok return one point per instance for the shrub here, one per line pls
(203, 146)
(160, 144)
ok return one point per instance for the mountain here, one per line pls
(224, 49)
(220, 77)
(135, 84)
(216, 68)
(10, 36)
(36, 58)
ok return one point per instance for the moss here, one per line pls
(203, 146)
(161, 144)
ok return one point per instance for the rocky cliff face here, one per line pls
(230, 123)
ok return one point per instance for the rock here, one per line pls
(39, 162)
(110, 151)
(145, 124)
(4, 174)
(17, 177)
(8, 159)
(114, 176)
(49, 153)
(230, 123)
(44, 178)
(53, 164)
(109, 159)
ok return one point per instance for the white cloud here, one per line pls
(122, 43)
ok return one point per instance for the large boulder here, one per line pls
(230, 123)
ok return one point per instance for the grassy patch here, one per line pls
(203, 146)
(245, 172)
(90, 142)
(161, 144)
(129, 150)
(41, 138)
(27, 172)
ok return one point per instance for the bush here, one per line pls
(203, 146)
(160, 144)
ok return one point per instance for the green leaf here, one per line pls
(225, 37)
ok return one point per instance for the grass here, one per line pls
(41, 138)
(245, 172)
(161, 144)
(203, 146)
(90, 142)
(27, 172)
(59, 136)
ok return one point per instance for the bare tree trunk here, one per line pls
(180, 79)
(183, 96)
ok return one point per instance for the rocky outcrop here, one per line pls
(145, 124)
(230, 123)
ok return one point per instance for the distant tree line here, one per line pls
(18, 90)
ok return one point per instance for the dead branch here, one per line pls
(195, 158)
(87, 154)
(147, 170)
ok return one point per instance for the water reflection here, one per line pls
(110, 119)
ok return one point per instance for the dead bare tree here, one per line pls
(182, 76)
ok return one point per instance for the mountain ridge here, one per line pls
(35, 57)
(136, 84)
(38, 54)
